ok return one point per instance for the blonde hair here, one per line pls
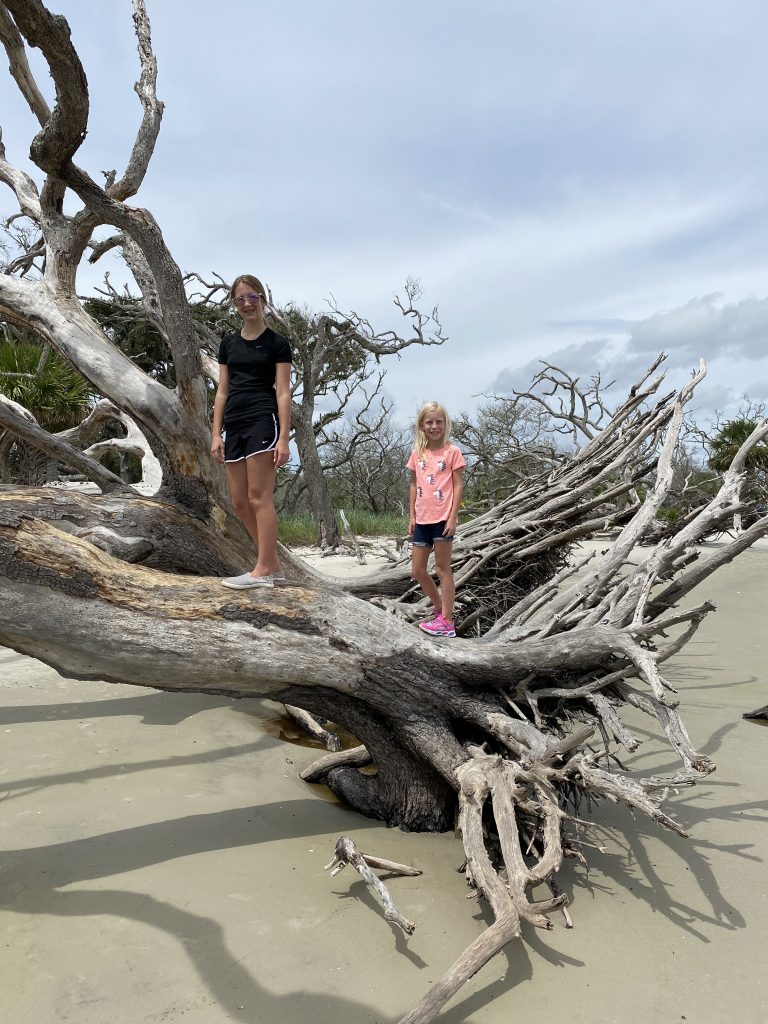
(421, 437)
(252, 282)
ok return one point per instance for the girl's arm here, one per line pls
(222, 393)
(412, 504)
(283, 391)
(458, 490)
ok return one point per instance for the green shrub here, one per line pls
(58, 396)
(297, 530)
(668, 515)
(369, 525)
(300, 529)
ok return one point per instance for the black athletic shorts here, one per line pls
(259, 436)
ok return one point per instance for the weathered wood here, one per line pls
(355, 757)
(25, 427)
(176, 540)
(321, 648)
(758, 713)
(349, 534)
(347, 853)
(313, 727)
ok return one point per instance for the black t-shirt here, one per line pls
(252, 373)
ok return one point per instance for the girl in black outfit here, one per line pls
(251, 425)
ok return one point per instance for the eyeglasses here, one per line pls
(251, 297)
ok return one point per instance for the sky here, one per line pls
(580, 183)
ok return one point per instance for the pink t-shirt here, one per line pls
(434, 482)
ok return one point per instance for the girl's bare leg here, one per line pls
(419, 559)
(445, 575)
(237, 483)
(261, 485)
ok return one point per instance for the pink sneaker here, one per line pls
(438, 627)
(435, 614)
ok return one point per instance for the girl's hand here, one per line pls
(282, 455)
(411, 525)
(450, 526)
(217, 449)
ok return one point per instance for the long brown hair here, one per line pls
(252, 282)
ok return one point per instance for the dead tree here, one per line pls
(512, 730)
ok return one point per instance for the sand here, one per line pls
(161, 862)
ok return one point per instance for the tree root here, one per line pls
(356, 757)
(475, 956)
(314, 728)
(524, 846)
(507, 786)
(347, 853)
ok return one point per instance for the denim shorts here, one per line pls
(425, 534)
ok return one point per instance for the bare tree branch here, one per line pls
(146, 90)
(24, 426)
(20, 69)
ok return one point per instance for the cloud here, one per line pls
(578, 360)
(725, 335)
(556, 197)
(706, 327)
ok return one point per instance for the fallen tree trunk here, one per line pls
(501, 729)
(173, 539)
(408, 699)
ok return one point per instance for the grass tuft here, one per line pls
(300, 529)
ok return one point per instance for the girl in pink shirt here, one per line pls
(436, 468)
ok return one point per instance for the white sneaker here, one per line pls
(246, 581)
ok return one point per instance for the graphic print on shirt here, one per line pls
(433, 482)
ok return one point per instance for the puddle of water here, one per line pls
(283, 727)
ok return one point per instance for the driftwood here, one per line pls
(349, 534)
(314, 728)
(355, 756)
(512, 730)
(347, 853)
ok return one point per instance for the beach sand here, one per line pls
(161, 861)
